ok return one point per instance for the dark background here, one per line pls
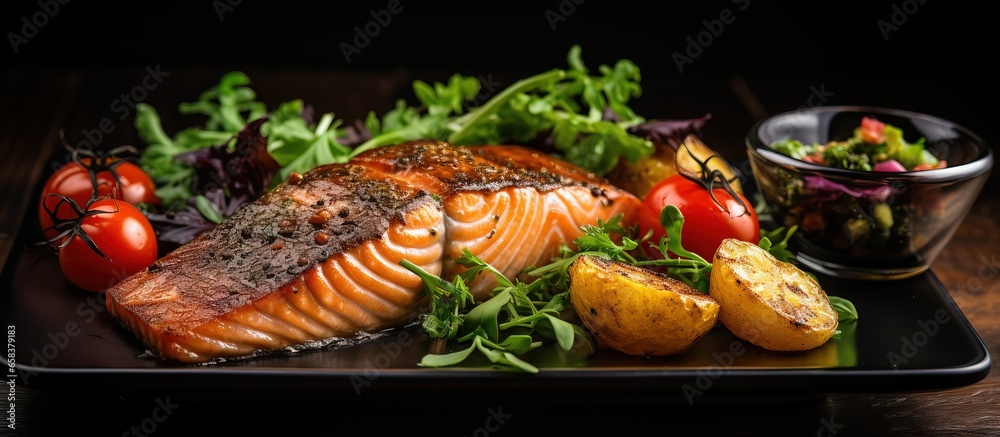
(771, 57)
(842, 38)
(938, 60)
(767, 60)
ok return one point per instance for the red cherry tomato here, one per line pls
(872, 131)
(73, 181)
(706, 224)
(123, 235)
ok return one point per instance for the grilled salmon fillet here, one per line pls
(317, 259)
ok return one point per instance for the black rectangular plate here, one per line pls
(910, 337)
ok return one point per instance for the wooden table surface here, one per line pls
(38, 103)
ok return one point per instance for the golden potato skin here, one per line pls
(694, 151)
(769, 303)
(638, 311)
(641, 176)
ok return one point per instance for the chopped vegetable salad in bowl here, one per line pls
(875, 146)
(876, 193)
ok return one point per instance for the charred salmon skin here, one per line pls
(317, 258)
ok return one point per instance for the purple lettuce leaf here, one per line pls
(670, 131)
(227, 177)
(876, 193)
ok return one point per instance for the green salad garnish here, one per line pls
(875, 146)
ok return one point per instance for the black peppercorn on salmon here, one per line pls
(318, 257)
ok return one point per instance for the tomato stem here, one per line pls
(73, 227)
(97, 161)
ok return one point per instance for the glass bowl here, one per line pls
(867, 224)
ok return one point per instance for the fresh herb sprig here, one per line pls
(506, 326)
(447, 300)
(597, 240)
(567, 107)
(502, 328)
(846, 311)
(228, 106)
(679, 262)
(298, 144)
(775, 241)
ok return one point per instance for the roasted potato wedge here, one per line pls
(638, 311)
(767, 302)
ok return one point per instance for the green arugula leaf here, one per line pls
(207, 209)
(445, 360)
(512, 360)
(568, 104)
(597, 240)
(485, 315)
(780, 249)
(446, 99)
(299, 148)
(440, 104)
(845, 309)
(373, 124)
(447, 301)
(473, 263)
(680, 263)
(228, 105)
(465, 125)
(519, 344)
(504, 354)
(673, 222)
(621, 84)
(563, 331)
(172, 178)
(502, 327)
